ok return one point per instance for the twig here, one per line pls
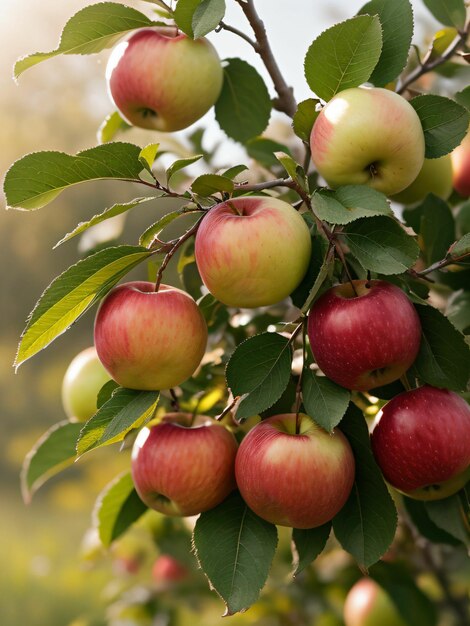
(428, 65)
(450, 260)
(298, 390)
(227, 409)
(269, 184)
(239, 33)
(175, 405)
(286, 101)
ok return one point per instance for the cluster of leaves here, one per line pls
(256, 365)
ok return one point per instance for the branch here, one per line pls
(439, 265)
(427, 65)
(239, 33)
(286, 101)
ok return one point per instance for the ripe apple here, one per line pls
(149, 339)
(421, 441)
(461, 167)
(435, 177)
(183, 466)
(366, 340)
(294, 479)
(368, 137)
(252, 251)
(166, 569)
(368, 604)
(82, 382)
(161, 82)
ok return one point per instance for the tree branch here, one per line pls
(239, 33)
(439, 265)
(286, 101)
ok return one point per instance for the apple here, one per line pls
(461, 167)
(252, 251)
(368, 604)
(161, 82)
(435, 177)
(149, 339)
(294, 479)
(368, 136)
(82, 382)
(421, 442)
(366, 340)
(166, 569)
(184, 466)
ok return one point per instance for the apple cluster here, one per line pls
(253, 252)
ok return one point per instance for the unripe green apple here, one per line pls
(435, 177)
(368, 136)
(163, 83)
(252, 251)
(82, 382)
(368, 604)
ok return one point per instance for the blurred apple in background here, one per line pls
(252, 251)
(149, 339)
(368, 136)
(184, 465)
(461, 167)
(421, 441)
(163, 82)
(294, 479)
(435, 177)
(82, 382)
(366, 340)
(166, 570)
(368, 604)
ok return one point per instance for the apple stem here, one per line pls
(405, 382)
(177, 244)
(298, 391)
(175, 405)
(227, 409)
(339, 251)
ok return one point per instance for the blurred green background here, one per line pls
(46, 576)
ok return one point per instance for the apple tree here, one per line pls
(310, 370)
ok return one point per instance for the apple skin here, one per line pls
(167, 569)
(297, 480)
(82, 382)
(252, 251)
(149, 340)
(366, 341)
(182, 467)
(421, 442)
(461, 167)
(163, 83)
(368, 604)
(435, 177)
(368, 136)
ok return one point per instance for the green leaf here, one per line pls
(461, 247)
(448, 12)
(208, 184)
(110, 127)
(443, 359)
(324, 401)
(259, 371)
(343, 56)
(416, 509)
(148, 155)
(288, 163)
(350, 203)
(38, 178)
(448, 515)
(183, 15)
(91, 30)
(116, 209)
(234, 171)
(444, 122)
(235, 548)
(155, 229)
(396, 19)
(463, 97)
(458, 311)
(181, 164)
(307, 544)
(117, 507)
(413, 606)
(207, 16)
(51, 453)
(263, 150)
(244, 106)
(74, 292)
(366, 524)
(437, 228)
(125, 410)
(320, 279)
(381, 245)
(317, 256)
(106, 392)
(304, 118)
